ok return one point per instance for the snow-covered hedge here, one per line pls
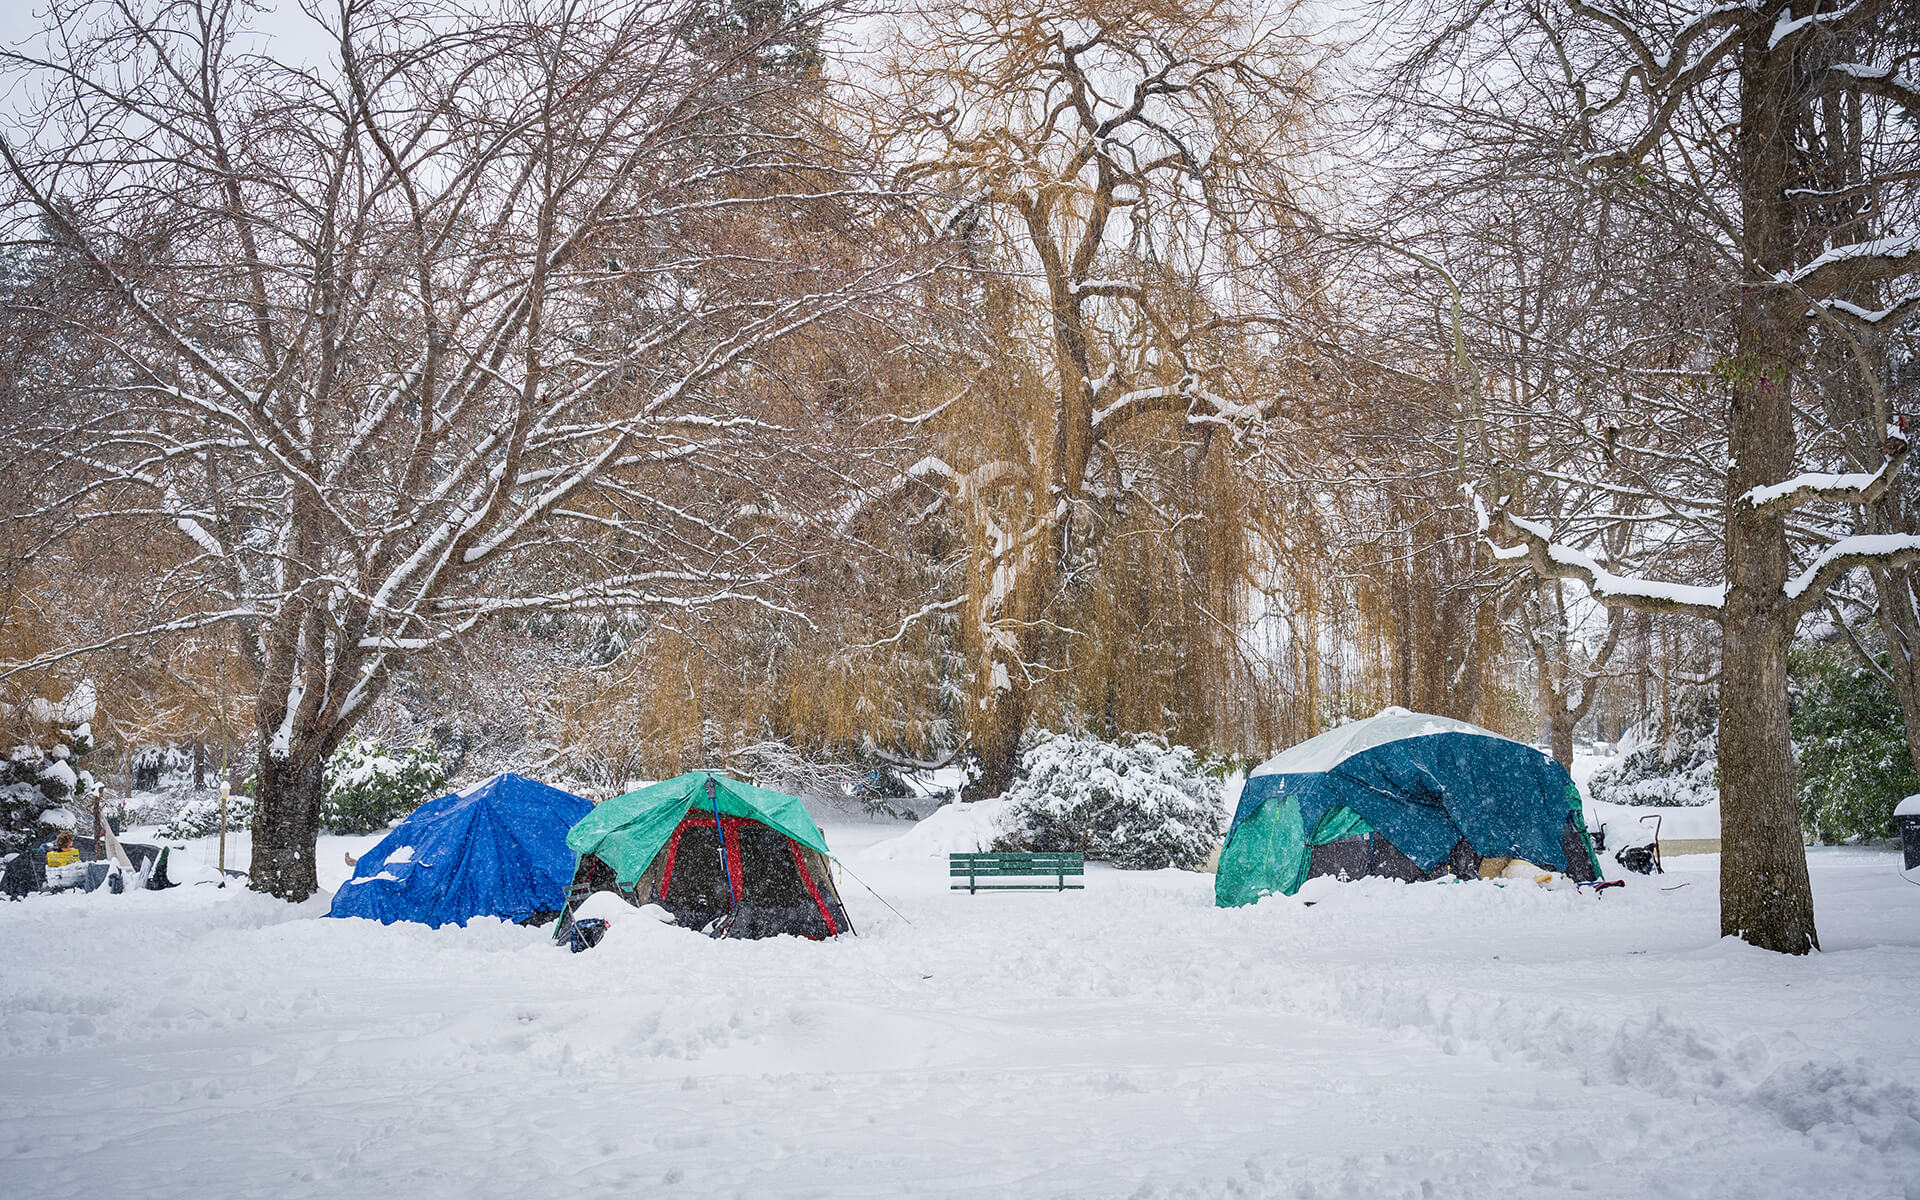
(369, 785)
(200, 816)
(1140, 805)
(1683, 771)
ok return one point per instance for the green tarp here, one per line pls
(627, 831)
(1273, 850)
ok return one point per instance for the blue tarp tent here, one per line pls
(496, 849)
(1402, 794)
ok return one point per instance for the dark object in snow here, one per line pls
(1645, 858)
(105, 874)
(25, 872)
(1031, 866)
(1906, 815)
(585, 935)
(157, 880)
(1406, 796)
(663, 845)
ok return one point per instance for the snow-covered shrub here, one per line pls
(1851, 741)
(368, 785)
(1682, 771)
(200, 816)
(1140, 805)
(43, 778)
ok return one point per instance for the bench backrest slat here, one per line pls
(1017, 863)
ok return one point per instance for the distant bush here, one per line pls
(1140, 805)
(44, 781)
(1852, 747)
(1682, 770)
(199, 816)
(367, 785)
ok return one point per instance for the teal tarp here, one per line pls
(1422, 783)
(627, 831)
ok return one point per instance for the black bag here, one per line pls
(585, 935)
(20, 877)
(1643, 859)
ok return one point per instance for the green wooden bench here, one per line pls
(1032, 866)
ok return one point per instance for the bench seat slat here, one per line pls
(1018, 887)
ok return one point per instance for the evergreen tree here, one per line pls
(1851, 738)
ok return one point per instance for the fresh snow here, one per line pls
(1336, 745)
(1813, 481)
(1605, 583)
(1910, 807)
(1887, 247)
(1364, 1039)
(77, 708)
(1869, 316)
(1882, 544)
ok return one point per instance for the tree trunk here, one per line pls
(997, 744)
(286, 822)
(1560, 736)
(1765, 896)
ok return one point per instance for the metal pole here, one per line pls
(223, 827)
(720, 834)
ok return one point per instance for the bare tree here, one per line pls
(450, 323)
(1656, 84)
(1105, 170)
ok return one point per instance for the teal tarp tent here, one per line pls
(666, 844)
(1400, 794)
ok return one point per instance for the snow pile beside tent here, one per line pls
(957, 828)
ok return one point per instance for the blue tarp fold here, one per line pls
(496, 849)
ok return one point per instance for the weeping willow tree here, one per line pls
(1106, 171)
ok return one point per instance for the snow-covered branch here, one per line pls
(1551, 560)
(1855, 487)
(1806, 589)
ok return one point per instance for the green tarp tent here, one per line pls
(1401, 794)
(665, 844)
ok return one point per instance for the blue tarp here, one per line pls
(1423, 783)
(496, 849)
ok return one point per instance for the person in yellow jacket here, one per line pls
(63, 854)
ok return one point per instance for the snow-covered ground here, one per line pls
(1128, 1040)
